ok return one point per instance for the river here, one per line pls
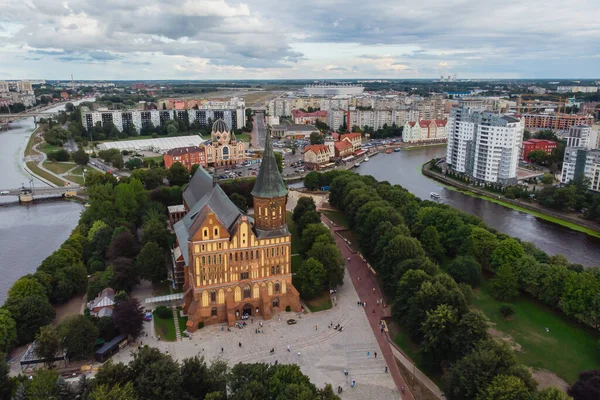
(28, 233)
(404, 168)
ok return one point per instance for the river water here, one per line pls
(28, 233)
(404, 168)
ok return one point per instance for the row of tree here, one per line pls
(322, 267)
(404, 238)
(153, 375)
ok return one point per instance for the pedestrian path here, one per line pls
(176, 321)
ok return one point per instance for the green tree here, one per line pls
(129, 317)
(117, 392)
(125, 274)
(156, 231)
(30, 314)
(538, 157)
(547, 179)
(48, 344)
(430, 240)
(465, 269)
(552, 393)
(151, 263)
(279, 160)
(8, 331)
(311, 180)
(6, 385)
(81, 157)
(311, 233)
(507, 253)
(329, 255)
(398, 249)
(587, 386)
(304, 205)
(25, 287)
(484, 244)
(470, 330)
(505, 387)
(239, 201)
(309, 217)
(156, 376)
(123, 244)
(505, 286)
(316, 138)
(79, 335)
(437, 329)
(178, 175)
(310, 279)
(195, 377)
(111, 374)
(43, 385)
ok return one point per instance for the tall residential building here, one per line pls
(483, 145)
(425, 131)
(4, 88)
(582, 136)
(556, 122)
(235, 266)
(580, 162)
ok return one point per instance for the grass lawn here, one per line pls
(78, 170)
(182, 322)
(246, 137)
(59, 167)
(319, 303)
(43, 174)
(48, 148)
(351, 238)
(76, 179)
(161, 289)
(157, 159)
(337, 217)
(165, 327)
(296, 259)
(567, 349)
(33, 139)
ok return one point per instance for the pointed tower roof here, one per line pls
(269, 182)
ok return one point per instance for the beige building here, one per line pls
(317, 156)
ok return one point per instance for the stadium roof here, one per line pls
(158, 145)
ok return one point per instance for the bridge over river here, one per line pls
(28, 194)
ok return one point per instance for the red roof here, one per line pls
(317, 148)
(412, 123)
(298, 113)
(424, 123)
(179, 151)
(335, 135)
(343, 145)
(351, 136)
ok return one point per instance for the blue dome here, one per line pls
(220, 126)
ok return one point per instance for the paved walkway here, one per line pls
(369, 292)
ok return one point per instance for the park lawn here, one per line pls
(43, 174)
(165, 327)
(411, 349)
(33, 139)
(156, 159)
(567, 349)
(48, 148)
(78, 170)
(246, 137)
(182, 322)
(59, 167)
(337, 217)
(319, 303)
(161, 289)
(353, 243)
(78, 179)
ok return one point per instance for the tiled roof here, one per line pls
(342, 145)
(185, 150)
(317, 148)
(298, 113)
(424, 123)
(350, 136)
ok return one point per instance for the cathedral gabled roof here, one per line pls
(269, 183)
(220, 126)
(200, 184)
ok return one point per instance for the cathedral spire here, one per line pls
(269, 183)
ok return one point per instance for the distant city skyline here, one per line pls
(268, 39)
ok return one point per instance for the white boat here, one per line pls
(434, 196)
(366, 159)
(357, 164)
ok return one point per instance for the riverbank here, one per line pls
(576, 224)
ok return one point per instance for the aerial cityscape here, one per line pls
(210, 200)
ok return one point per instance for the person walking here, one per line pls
(345, 372)
(221, 350)
(386, 369)
(375, 354)
(369, 354)
(316, 328)
(298, 354)
(354, 384)
(240, 344)
(288, 348)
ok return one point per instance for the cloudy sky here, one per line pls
(281, 39)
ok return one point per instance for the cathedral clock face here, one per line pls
(272, 205)
(224, 136)
(218, 137)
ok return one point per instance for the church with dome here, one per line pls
(223, 148)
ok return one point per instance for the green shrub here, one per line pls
(200, 325)
(288, 308)
(163, 312)
(506, 310)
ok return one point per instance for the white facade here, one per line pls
(577, 89)
(581, 162)
(425, 131)
(582, 136)
(483, 145)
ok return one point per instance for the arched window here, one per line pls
(216, 232)
(246, 291)
(205, 233)
(213, 295)
(272, 270)
(203, 260)
(278, 269)
(214, 311)
(235, 256)
(230, 256)
(246, 255)
(277, 253)
(220, 258)
(277, 287)
(257, 254)
(276, 302)
(252, 255)
(208, 260)
(214, 259)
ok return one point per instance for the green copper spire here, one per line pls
(269, 183)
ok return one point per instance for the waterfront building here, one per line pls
(236, 265)
(580, 162)
(372, 118)
(483, 145)
(355, 139)
(555, 122)
(316, 156)
(294, 131)
(125, 119)
(582, 136)
(425, 131)
(343, 149)
(301, 117)
(537, 145)
(187, 156)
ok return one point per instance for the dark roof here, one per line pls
(109, 345)
(179, 151)
(269, 183)
(220, 126)
(510, 119)
(200, 184)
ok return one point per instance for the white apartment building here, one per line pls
(577, 89)
(579, 162)
(483, 145)
(372, 118)
(4, 87)
(123, 119)
(425, 131)
(582, 136)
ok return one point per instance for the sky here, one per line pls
(283, 39)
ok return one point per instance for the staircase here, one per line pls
(176, 321)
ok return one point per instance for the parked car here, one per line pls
(4, 192)
(291, 321)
